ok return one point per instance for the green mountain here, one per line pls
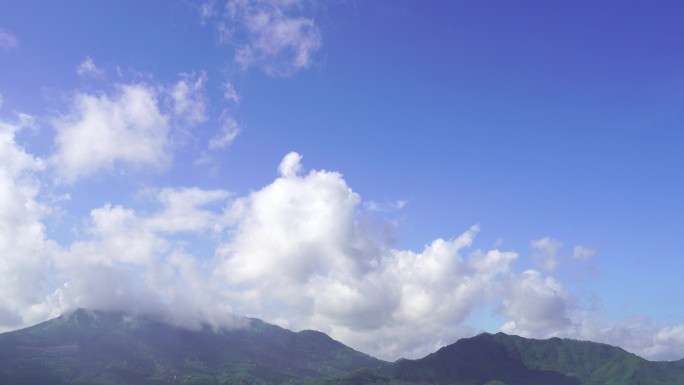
(500, 359)
(92, 347)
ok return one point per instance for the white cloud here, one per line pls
(296, 251)
(132, 262)
(299, 253)
(545, 252)
(385, 207)
(290, 165)
(88, 68)
(25, 250)
(536, 306)
(668, 343)
(135, 125)
(269, 37)
(230, 94)
(637, 335)
(673, 335)
(102, 131)
(226, 135)
(189, 100)
(206, 11)
(183, 210)
(539, 306)
(8, 40)
(582, 253)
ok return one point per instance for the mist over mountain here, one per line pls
(96, 347)
(394, 174)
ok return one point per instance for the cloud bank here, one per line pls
(296, 252)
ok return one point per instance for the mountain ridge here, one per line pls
(94, 347)
(102, 348)
(514, 360)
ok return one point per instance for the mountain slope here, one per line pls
(591, 363)
(500, 359)
(91, 347)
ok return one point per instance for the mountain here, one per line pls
(93, 347)
(500, 359)
(103, 348)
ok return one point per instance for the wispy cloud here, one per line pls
(268, 34)
(230, 94)
(206, 11)
(226, 135)
(8, 40)
(545, 252)
(582, 253)
(189, 100)
(87, 68)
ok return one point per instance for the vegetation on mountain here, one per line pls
(500, 359)
(91, 347)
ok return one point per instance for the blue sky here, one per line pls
(408, 171)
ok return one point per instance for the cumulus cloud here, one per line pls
(536, 306)
(269, 36)
(87, 68)
(291, 165)
(299, 253)
(131, 262)
(24, 247)
(136, 125)
(539, 306)
(102, 131)
(668, 343)
(638, 335)
(296, 251)
(183, 210)
(8, 40)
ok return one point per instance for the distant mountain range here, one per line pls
(93, 347)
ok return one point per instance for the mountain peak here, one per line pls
(100, 347)
(517, 360)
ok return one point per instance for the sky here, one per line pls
(397, 174)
